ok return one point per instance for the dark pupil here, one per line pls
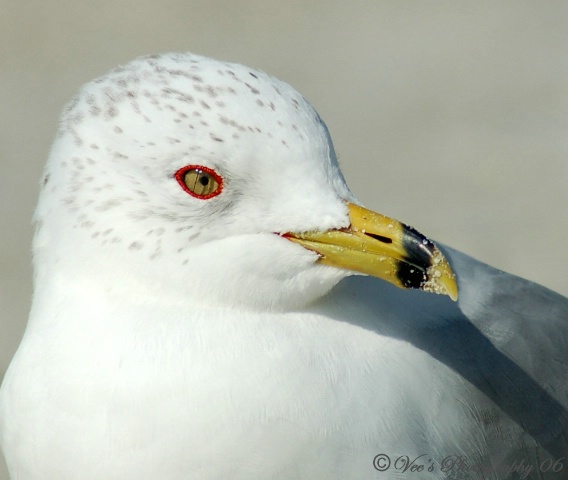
(204, 180)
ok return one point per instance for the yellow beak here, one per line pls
(380, 246)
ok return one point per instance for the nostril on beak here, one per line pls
(380, 238)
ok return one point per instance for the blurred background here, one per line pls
(450, 116)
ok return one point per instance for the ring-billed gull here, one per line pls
(196, 313)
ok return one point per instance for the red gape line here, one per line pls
(180, 174)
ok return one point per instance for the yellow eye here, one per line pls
(200, 182)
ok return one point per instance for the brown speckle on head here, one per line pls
(253, 90)
(211, 91)
(135, 107)
(135, 246)
(87, 224)
(177, 94)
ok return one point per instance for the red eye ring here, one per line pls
(199, 181)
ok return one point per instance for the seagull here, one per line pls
(211, 301)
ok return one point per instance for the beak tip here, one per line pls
(454, 295)
(441, 278)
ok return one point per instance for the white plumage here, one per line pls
(174, 337)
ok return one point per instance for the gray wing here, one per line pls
(518, 351)
(508, 339)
